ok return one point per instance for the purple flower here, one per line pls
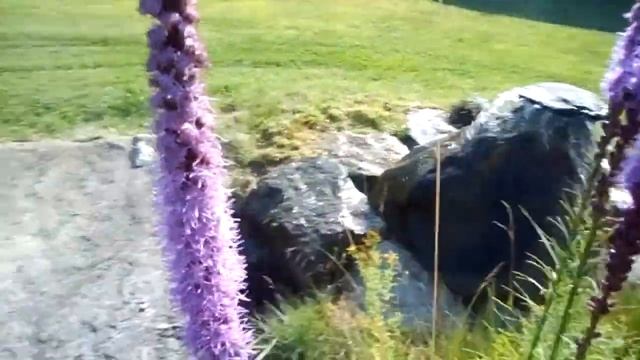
(622, 87)
(201, 237)
(622, 78)
(624, 245)
(631, 172)
(625, 240)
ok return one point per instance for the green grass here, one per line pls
(324, 327)
(280, 67)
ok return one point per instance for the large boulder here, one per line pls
(297, 224)
(524, 150)
(301, 216)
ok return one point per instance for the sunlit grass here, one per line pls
(71, 65)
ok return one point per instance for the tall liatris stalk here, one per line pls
(622, 86)
(624, 245)
(201, 242)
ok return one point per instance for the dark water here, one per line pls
(605, 15)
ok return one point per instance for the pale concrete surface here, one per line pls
(81, 275)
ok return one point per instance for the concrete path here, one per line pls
(81, 275)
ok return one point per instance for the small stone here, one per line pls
(142, 152)
(365, 156)
(427, 125)
(465, 112)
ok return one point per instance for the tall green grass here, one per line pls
(323, 328)
(326, 329)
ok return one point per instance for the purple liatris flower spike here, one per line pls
(625, 240)
(631, 172)
(201, 239)
(624, 246)
(623, 77)
(622, 87)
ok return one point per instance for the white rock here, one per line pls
(427, 125)
(142, 152)
(368, 154)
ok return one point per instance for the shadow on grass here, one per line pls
(603, 15)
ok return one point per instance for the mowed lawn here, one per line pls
(279, 66)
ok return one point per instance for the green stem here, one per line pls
(575, 286)
(574, 227)
(613, 128)
(578, 219)
(576, 223)
(590, 333)
(543, 319)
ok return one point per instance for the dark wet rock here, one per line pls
(297, 223)
(530, 145)
(465, 112)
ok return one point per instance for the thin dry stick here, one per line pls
(434, 315)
